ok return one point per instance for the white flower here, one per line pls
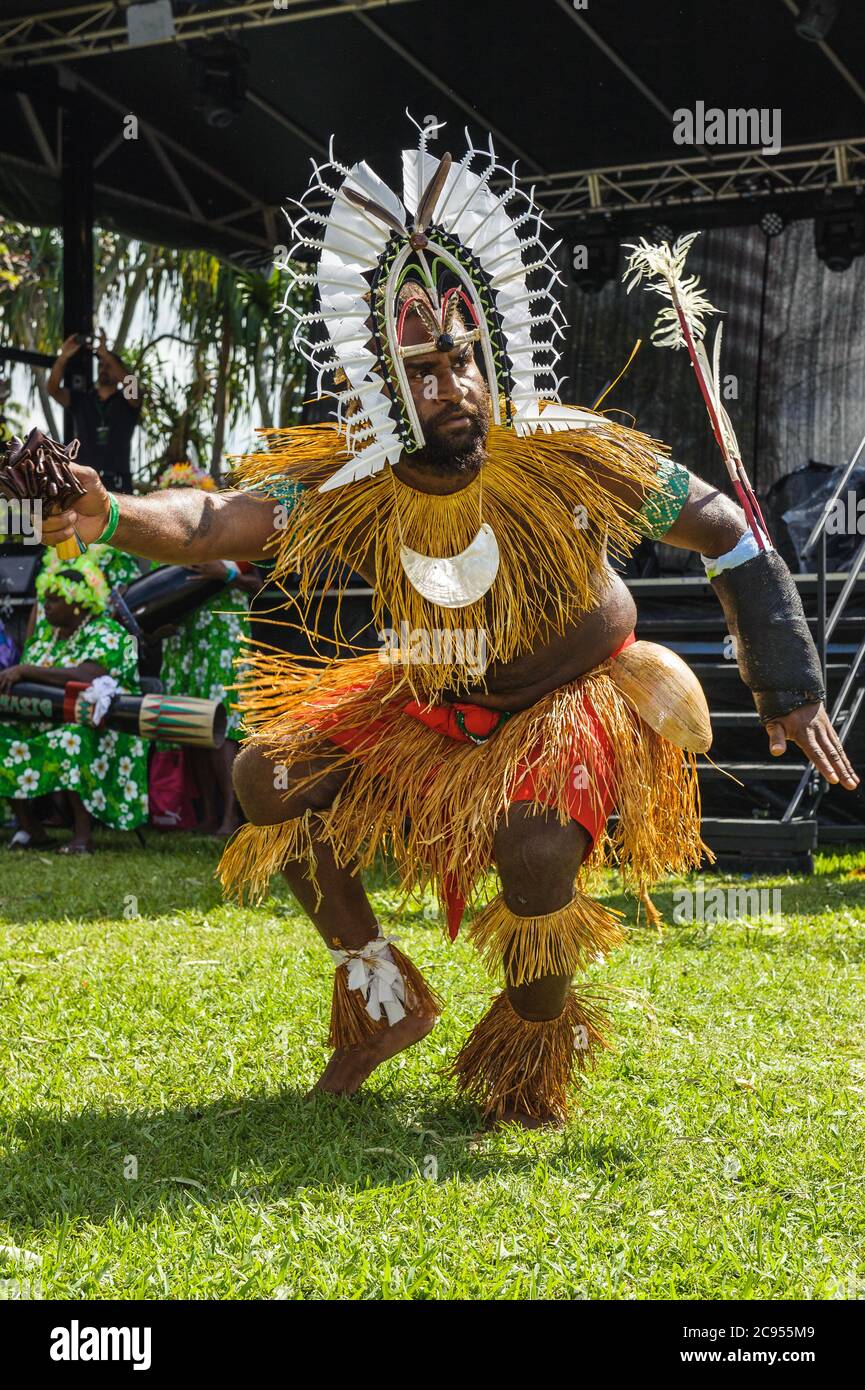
(109, 741)
(112, 641)
(100, 766)
(73, 775)
(70, 742)
(98, 799)
(124, 767)
(225, 660)
(130, 791)
(19, 752)
(28, 780)
(137, 748)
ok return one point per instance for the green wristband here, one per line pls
(112, 522)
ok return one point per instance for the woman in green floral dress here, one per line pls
(118, 568)
(104, 774)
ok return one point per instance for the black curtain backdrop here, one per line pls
(810, 392)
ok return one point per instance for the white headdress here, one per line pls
(470, 249)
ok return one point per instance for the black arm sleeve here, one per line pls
(774, 647)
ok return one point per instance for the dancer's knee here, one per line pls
(537, 858)
(264, 786)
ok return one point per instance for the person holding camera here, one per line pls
(104, 415)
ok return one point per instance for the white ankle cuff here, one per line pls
(372, 970)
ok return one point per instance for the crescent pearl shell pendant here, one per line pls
(458, 580)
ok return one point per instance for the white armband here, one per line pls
(745, 548)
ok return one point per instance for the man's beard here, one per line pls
(441, 455)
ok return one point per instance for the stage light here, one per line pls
(772, 224)
(662, 232)
(816, 19)
(839, 237)
(221, 80)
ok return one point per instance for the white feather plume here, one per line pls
(663, 266)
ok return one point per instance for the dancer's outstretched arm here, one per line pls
(182, 526)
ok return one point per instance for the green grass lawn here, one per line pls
(716, 1153)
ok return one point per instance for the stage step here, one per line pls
(716, 622)
(761, 843)
(775, 771)
(707, 670)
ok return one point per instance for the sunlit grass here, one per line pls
(146, 1025)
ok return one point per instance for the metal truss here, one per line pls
(709, 177)
(90, 30)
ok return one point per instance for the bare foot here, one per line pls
(519, 1117)
(349, 1067)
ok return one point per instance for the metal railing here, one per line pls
(844, 710)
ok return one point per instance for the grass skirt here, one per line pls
(434, 803)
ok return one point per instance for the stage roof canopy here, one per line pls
(231, 100)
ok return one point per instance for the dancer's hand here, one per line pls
(89, 515)
(211, 569)
(810, 729)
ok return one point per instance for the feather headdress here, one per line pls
(470, 249)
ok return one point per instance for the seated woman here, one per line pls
(103, 774)
(119, 571)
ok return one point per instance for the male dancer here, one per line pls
(481, 511)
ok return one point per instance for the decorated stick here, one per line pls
(682, 324)
(175, 718)
(37, 469)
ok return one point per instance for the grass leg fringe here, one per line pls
(350, 1023)
(559, 943)
(509, 1063)
(256, 852)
